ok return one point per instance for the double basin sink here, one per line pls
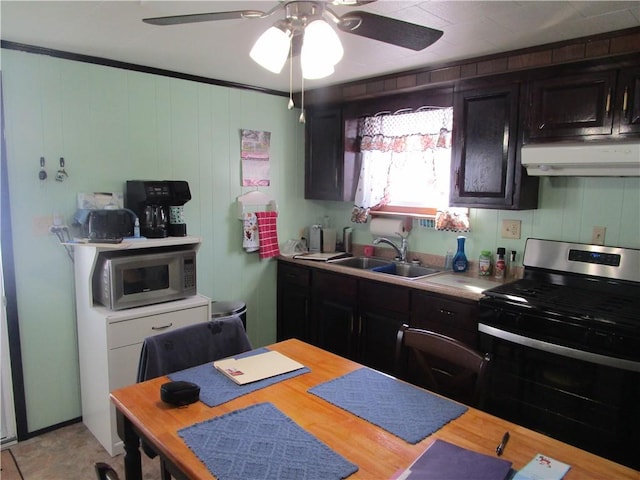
(389, 267)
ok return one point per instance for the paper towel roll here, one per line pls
(387, 227)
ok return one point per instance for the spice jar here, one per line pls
(484, 263)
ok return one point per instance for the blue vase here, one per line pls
(460, 262)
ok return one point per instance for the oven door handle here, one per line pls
(560, 349)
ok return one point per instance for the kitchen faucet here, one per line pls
(402, 250)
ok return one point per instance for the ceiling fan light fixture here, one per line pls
(322, 43)
(312, 69)
(271, 49)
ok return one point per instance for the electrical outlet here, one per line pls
(511, 228)
(597, 235)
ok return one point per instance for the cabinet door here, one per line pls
(324, 155)
(453, 318)
(483, 165)
(335, 310)
(573, 105)
(337, 328)
(294, 302)
(628, 102)
(382, 309)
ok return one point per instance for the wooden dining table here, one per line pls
(377, 453)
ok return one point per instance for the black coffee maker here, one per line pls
(158, 205)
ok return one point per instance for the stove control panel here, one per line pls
(598, 258)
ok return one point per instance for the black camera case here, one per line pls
(179, 393)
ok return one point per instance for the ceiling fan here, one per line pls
(299, 13)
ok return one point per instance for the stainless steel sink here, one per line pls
(363, 263)
(389, 267)
(411, 271)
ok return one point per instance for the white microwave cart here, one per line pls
(109, 342)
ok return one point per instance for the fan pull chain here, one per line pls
(302, 118)
(290, 105)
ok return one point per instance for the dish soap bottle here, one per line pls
(460, 262)
(500, 264)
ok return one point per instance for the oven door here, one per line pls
(559, 392)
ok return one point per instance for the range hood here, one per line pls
(613, 159)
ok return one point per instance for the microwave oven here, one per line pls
(126, 280)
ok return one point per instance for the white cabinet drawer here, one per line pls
(135, 330)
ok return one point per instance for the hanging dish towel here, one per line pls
(268, 234)
(250, 237)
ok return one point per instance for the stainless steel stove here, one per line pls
(565, 341)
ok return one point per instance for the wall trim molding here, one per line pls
(133, 67)
(595, 47)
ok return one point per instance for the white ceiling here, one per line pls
(220, 50)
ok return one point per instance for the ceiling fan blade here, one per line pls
(388, 30)
(204, 17)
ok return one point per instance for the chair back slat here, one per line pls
(442, 364)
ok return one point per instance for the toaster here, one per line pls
(108, 224)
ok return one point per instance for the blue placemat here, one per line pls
(402, 409)
(216, 388)
(260, 442)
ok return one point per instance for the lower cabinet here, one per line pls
(383, 308)
(359, 318)
(451, 317)
(335, 311)
(294, 303)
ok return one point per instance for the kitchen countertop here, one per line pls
(461, 285)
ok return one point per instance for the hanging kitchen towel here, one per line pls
(268, 234)
(250, 237)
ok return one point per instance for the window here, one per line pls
(405, 163)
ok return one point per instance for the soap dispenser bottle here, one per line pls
(460, 262)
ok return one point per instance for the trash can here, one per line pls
(225, 309)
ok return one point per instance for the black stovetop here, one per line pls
(592, 300)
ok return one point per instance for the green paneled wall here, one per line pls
(112, 125)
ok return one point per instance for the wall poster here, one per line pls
(255, 158)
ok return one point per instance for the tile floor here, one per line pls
(70, 453)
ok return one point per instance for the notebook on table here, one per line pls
(444, 460)
(256, 367)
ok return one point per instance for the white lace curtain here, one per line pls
(404, 155)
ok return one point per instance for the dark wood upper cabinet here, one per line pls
(628, 100)
(329, 166)
(582, 106)
(569, 106)
(485, 163)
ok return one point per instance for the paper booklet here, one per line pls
(542, 467)
(256, 367)
(323, 257)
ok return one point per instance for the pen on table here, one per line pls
(503, 444)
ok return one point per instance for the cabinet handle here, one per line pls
(447, 312)
(625, 101)
(163, 327)
(457, 179)
(608, 105)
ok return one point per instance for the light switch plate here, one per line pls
(511, 228)
(597, 235)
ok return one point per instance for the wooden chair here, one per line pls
(441, 364)
(188, 347)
